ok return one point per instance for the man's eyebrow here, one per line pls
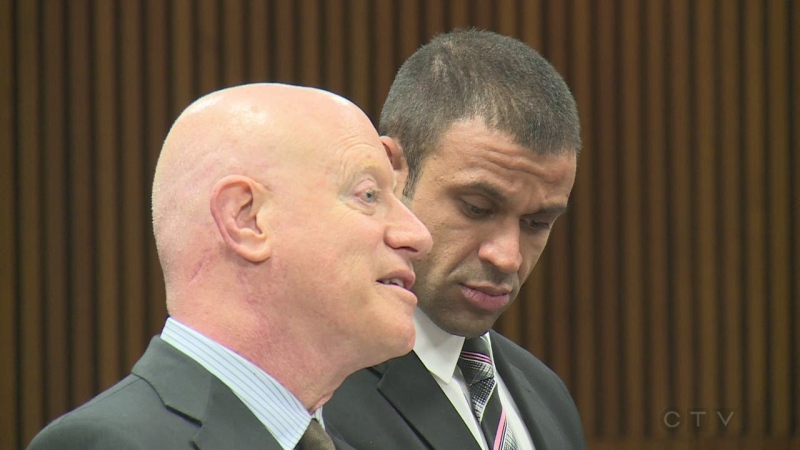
(554, 210)
(488, 190)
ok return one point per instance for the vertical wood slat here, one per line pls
(483, 14)
(157, 123)
(106, 143)
(284, 45)
(409, 33)
(30, 180)
(582, 231)
(631, 290)
(705, 214)
(794, 27)
(258, 41)
(82, 220)
(680, 208)
(756, 299)
(778, 207)
(207, 46)
(9, 295)
(656, 234)
(434, 18)
(533, 29)
(730, 184)
(335, 48)
(458, 14)
(309, 48)
(778, 148)
(54, 206)
(134, 192)
(233, 43)
(507, 14)
(358, 57)
(182, 83)
(607, 206)
(383, 37)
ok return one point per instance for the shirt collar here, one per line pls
(274, 406)
(437, 349)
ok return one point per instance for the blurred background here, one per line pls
(668, 299)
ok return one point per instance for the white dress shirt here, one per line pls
(281, 412)
(439, 351)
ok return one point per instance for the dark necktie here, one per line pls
(476, 366)
(315, 438)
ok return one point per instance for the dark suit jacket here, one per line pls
(399, 405)
(168, 402)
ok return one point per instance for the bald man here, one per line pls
(287, 265)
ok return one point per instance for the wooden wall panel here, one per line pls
(9, 294)
(82, 223)
(731, 213)
(31, 282)
(581, 219)
(206, 45)
(680, 207)
(794, 143)
(134, 183)
(778, 209)
(158, 118)
(671, 286)
(632, 319)
(106, 193)
(607, 214)
(756, 400)
(656, 239)
(232, 17)
(704, 223)
(54, 209)
(310, 48)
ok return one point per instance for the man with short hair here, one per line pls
(484, 136)
(287, 265)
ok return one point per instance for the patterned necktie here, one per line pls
(476, 366)
(315, 438)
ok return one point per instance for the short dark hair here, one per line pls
(468, 74)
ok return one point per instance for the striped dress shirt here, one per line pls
(274, 406)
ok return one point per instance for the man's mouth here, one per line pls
(394, 281)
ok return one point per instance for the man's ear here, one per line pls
(239, 207)
(398, 159)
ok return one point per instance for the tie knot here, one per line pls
(475, 362)
(477, 345)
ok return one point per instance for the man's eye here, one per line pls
(476, 211)
(369, 196)
(537, 225)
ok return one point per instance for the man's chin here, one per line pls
(468, 328)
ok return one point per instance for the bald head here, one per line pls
(280, 235)
(247, 131)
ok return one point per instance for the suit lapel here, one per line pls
(187, 388)
(229, 424)
(540, 423)
(413, 392)
(337, 438)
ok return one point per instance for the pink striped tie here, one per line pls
(476, 366)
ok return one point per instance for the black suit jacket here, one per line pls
(399, 405)
(168, 402)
